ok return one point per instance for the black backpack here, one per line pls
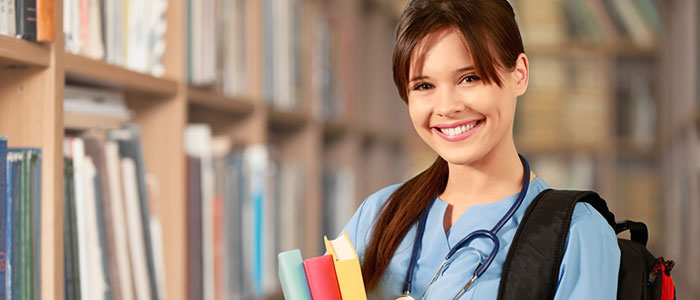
(531, 268)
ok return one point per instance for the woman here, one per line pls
(460, 66)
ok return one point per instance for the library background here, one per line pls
(169, 149)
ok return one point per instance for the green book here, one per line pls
(293, 276)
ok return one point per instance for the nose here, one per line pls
(448, 103)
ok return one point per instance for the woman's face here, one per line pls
(452, 109)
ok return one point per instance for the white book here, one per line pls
(121, 245)
(198, 140)
(114, 31)
(3, 17)
(95, 101)
(11, 9)
(96, 265)
(94, 47)
(135, 230)
(77, 152)
(138, 57)
(282, 33)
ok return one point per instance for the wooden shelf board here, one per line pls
(334, 128)
(204, 97)
(628, 149)
(284, 121)
(86, 70)
(374, 133)
(527, 147)
(16, 52)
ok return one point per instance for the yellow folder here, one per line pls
(347, 267)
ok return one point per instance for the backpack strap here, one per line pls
(531, 269)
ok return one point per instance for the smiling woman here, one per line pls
(460, 66)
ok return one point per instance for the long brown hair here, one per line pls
(493, 38)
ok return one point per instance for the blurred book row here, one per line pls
(32, 20)
(605, 22)
(125, 33)
(20, 222)
(245, 204)
(112, 237)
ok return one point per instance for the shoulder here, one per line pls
(359, 227)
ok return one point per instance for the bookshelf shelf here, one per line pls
(333, 128)
(16, 52)
(86, 70)
(209, 99)
(285, 121)
(374, 133)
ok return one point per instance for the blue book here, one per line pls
(10, 242)
(3, 209)
(292, 276)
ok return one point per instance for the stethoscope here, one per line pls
(483, 264)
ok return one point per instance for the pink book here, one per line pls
(323, 283)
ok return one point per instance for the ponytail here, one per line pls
(397, 215)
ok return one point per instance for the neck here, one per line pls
(497, 175)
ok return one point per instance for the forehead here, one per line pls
(443, 48)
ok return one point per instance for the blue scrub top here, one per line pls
(589, 268)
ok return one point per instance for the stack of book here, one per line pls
(334, 276)
(32, 20)
(20, 222)
(113, 245)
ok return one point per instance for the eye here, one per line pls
(470, 78)
(422, 86)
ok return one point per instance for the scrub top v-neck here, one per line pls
(593, 263)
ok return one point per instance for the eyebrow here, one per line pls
(460, 70)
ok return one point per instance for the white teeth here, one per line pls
(457, 130)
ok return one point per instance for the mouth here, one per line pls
(458, 131)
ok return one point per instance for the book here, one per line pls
(11, 10)
(195, 289)
(198, 144)
(26, 19)
(46, 20)
(3, 209)
(3, 17)
(94, 148)
(142, 284)
(129, 141)
(320, 273)
(347, 267)
(292, 275)
(14, 161)
(120, 225)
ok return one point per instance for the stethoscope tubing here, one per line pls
(462, 244)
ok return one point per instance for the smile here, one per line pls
(457, 132)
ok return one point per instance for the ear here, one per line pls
(521, 74)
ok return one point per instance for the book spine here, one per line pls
(46, 20)
(3, 211)
(26, 19)
(11, 10)
(68, 279)
(3, 17)
(9, 224)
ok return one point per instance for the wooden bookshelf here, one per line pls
(86, 70)
(204, 97)
(33, 76)
(18, 53)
